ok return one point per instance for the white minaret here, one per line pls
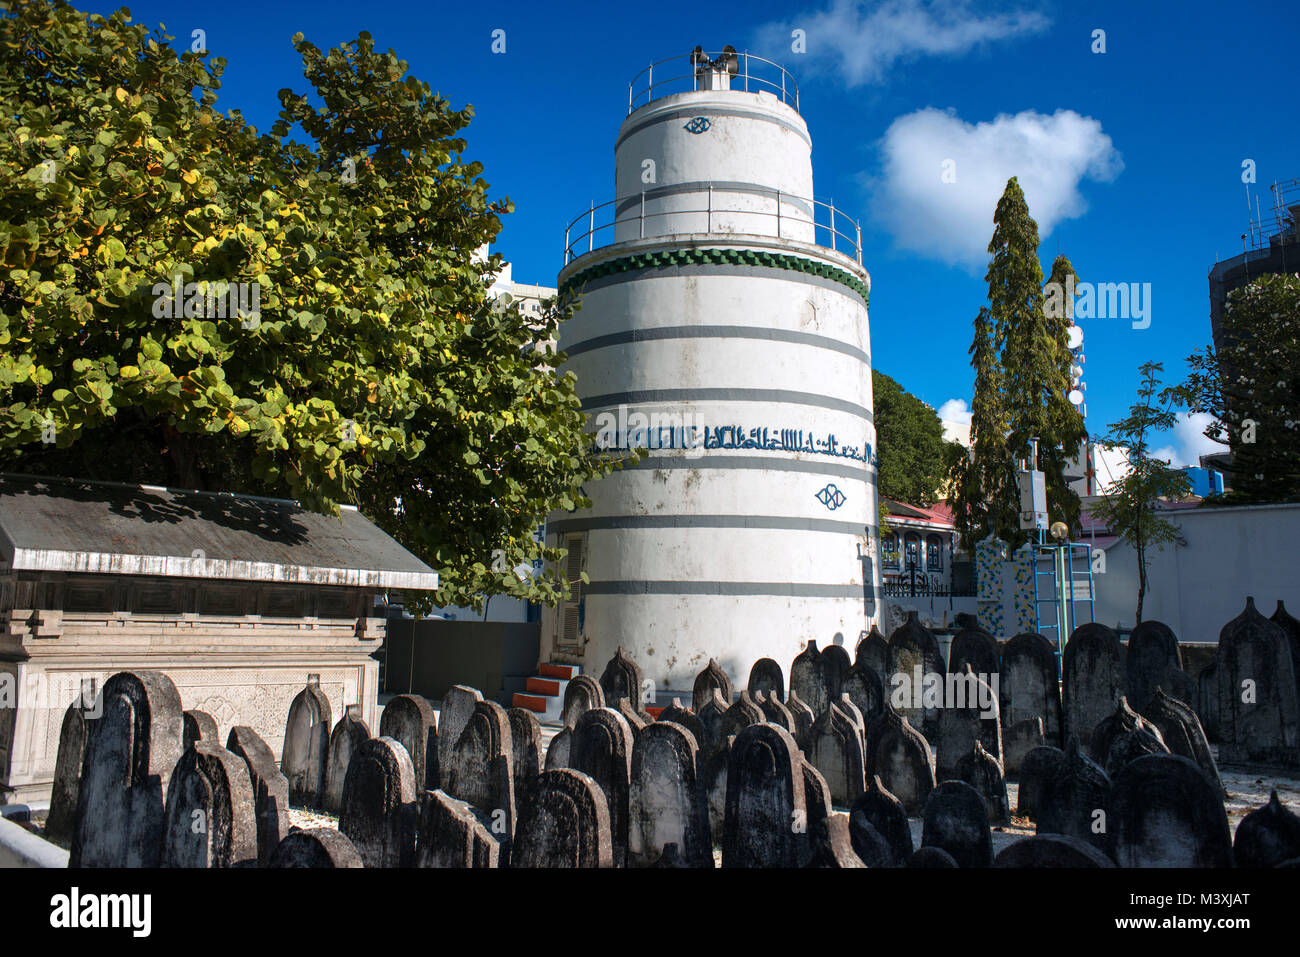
(723, 325)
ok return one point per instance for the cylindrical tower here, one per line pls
(723, 326)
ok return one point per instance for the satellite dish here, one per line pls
(1075, 397)
(1074, 337)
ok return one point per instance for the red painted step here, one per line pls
(530, 702)
(563, 672)
(655, 712)
(546, 686)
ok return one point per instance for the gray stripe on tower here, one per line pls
(784, 396)
(786, 522)
(770, 589)
(716, 332)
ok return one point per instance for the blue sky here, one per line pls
(1131, 159)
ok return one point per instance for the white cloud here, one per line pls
(861, 41)
(953, 221)
(1189, 441)
(955, 416)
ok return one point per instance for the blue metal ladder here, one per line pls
(1080, 593)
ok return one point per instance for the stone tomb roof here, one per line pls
(76, 526)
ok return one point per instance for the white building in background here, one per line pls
(723, 324)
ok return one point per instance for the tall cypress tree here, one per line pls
(1021, 361)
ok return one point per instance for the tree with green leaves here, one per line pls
(1128, 507)
(186, 301)
(1022, 361)
(909, 443)
(1251, 387)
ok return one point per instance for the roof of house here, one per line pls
(938, 514)
(70, 525)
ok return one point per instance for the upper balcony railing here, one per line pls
(730, 211)
(727, 70)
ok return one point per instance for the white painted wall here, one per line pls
(801, 334)
(1199, 587)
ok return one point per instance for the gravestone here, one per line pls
(557, 752)
(1182, 734)
(808, 679)
(836, 751)
(635, 719)
(956, 820)
(867, 691)
(1289, 624)
(741, 715)
(1207, 687)
(687, 718)
(1040, 766)
(270, 789)
(775, 711)
(1028, 687)
(1092, 679)
(454, 833)
(198, 726)
(666, 804)
(602, 748)
(974, 647)
(803, 719)
(1164, 812)
(900, 756)
(713, 781)
(873, 652)
(349, 734)
(567, 824)
(711, 717)
(457, 706)
(380, 814)
(983, 772)
(1122, 737)
(832, 844)
(884, 816)
(581, 695)
(816, 798)
(211, 818)
(62, 817)
(316, 847)
(927, 857)
(1051, 850)
(526, 753)
(1073, 800)
(1267, 836)
(410, 719)
(765, 800)
(1152, 654)
(1259, 715)
(835, 667)
(1019, 740)
(766, 676)
(129, 756)
(912, 656)
(969, 715)
(710, 678)
(622, 679)
(306, 752)
(480, 770)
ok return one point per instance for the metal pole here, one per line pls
(859, 225)
(566, 245)
(643, 214)
(591, 226)
(782, 84)
(709, 222)
(832, 225)
(746, 72)
(778, 214)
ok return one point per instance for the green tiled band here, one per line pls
(736, 257)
